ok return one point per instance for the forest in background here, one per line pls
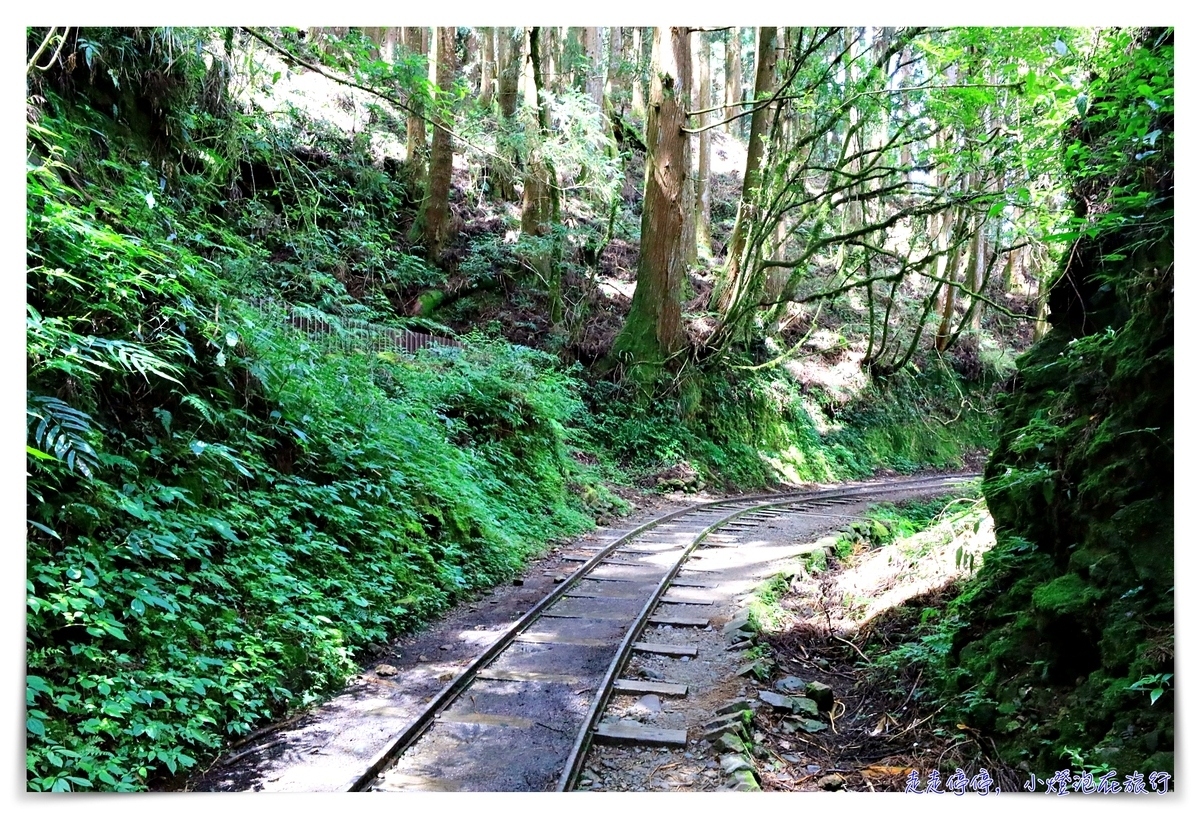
(665, 257)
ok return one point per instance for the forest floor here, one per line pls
(837, 627)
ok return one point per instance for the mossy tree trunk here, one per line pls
(510, 54)
(653, 331)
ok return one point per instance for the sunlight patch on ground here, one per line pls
(614, 287)
(841, 381)
(728, 153)
(887, 577)
(277, 89)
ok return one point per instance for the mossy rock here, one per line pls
(1067, 595)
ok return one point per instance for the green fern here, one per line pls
(60, 432)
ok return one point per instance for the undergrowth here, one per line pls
(760, 428)
(223, 513)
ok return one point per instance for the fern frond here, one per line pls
(60, 432)
(201, 406)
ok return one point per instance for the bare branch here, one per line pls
(50, 36)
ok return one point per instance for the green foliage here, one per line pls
(887, 522)
(223, 511)
(765, 611)
(1071, 616)
(1067, 594)
(757, 427)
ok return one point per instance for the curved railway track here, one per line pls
(521, 715)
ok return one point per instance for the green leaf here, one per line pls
(48, 531)
(222, 528)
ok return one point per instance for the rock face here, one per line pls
(1075, 602)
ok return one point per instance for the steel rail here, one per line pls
(402, 741)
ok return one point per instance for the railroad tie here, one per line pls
(679, 620)
(640, 734)
(640, 687)
(666, 650)
(674, 600)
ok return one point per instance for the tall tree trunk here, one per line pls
(947, 269)
(416, 41)
(435, 210)
(688, 198)
(487, 66)
(1033, 268)
(529, 84)
(594, 78)
(539, 202)
(1010, 263)
(975, 277)
(764, 80)
(653, 330)
(701, 57)
(391, 39)
(572, 50)
(614, 75)
(854, 142)
(551, 49)
(637, 100)
(510, 59)
(733, 75)
(472, 53)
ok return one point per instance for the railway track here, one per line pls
(521, 715)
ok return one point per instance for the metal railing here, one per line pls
(352, 335)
